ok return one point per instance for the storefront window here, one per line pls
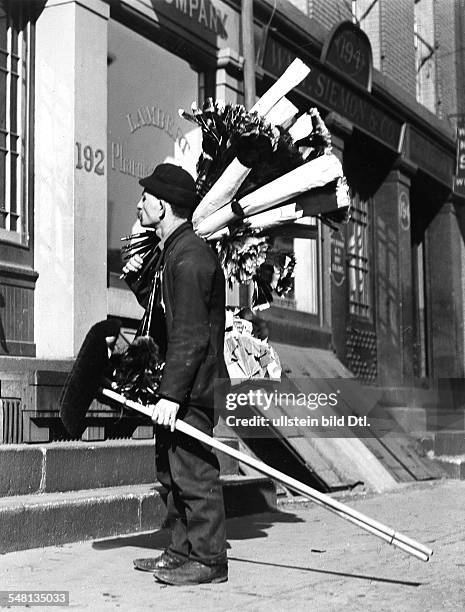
(147, 85)
(15, 34)
(358, 260)
(303, 295)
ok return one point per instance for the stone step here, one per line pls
(453, 466)
(51, 519)
(71, 466)
(449, 443)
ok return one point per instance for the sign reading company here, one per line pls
(348, 50)
(325, 88)
(202, 16)
(459, 178)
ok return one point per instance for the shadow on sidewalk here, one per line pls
(239, 528)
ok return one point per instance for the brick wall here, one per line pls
(368, 15)
(426, 55)
(460, 53)
(390, 26)
(329, 12)
(446, 59)
(397, 47)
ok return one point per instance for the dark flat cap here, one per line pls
(172, 184)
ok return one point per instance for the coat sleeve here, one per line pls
(189, 336)
(141, 284)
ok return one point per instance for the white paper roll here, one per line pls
(222, 192)
(282, 112)
(301, 128)
(291, 77)
(226, 187)
(316, 173)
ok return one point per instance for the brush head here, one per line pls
(86, 376)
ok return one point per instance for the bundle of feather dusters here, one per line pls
(136, 371)
(260, 172)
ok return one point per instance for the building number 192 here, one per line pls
(89, 160)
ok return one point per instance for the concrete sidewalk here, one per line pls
(301, 558)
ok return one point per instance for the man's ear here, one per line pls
(162, 209)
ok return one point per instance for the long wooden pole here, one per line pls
(387, 534)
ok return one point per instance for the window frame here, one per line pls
(362, 310)
(20, 18)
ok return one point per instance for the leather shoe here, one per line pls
(193, 572)
(166, 561)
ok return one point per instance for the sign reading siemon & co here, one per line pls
(324, 87)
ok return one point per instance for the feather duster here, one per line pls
(137, 370)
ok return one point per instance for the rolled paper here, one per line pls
(222, 192)
(291, 77)
(219, 234)
(282, 112)
(269, 218)
(301, 128)
(316, 173)
(320, 201)
(266, 220)
(226, 187)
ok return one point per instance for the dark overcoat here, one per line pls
(188, 318)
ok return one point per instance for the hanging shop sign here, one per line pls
(325, 88)
(338, 265)
(348, 50)
(430, 156)
(459, 178)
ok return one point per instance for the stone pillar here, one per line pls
(70, 173)
(445, 251)
(229, 87)
(394, 289)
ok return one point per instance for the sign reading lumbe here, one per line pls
(459, 178)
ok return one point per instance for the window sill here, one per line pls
(12, 238)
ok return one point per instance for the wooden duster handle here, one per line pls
(364, 522)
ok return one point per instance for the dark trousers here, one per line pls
(189, 473)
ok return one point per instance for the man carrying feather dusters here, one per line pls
(183, 292)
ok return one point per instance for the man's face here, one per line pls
(149, 210)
